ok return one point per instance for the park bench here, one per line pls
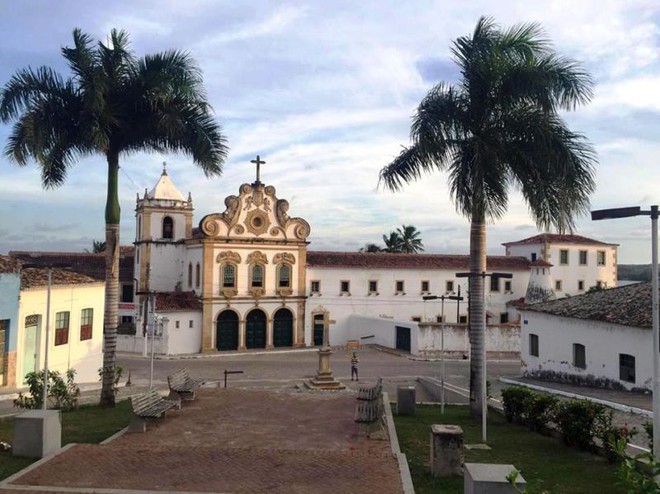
(369, 407)
(182, 386)
(371, 392)
(147, 406)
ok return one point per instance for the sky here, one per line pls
(324, 92)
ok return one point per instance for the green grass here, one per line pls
(544, 462)
(87, 424)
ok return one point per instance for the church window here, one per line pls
(373, 286)
(257, 276)
(168, 227)
(583, 258)
(284, 276)
(197, 275)
(345, 287)
(61, 328)
(229, 276)
(426, 286)
(139, 226)
(190, 275)
(563, 256)
(399, 286)
(315, 286)
(600, 258)
(86, 322)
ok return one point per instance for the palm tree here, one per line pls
(410, 241)
(98, 246)
(499, 127)
(113, 104)
(392, 242)
(369, 247)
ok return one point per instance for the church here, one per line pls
(245, 278)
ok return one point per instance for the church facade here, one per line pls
(244, 279)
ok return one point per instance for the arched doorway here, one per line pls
(227, 331)
(255, 329)
(283, 328)
(318, 330)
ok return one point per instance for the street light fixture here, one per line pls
(442, 341)
(484, 394)
(606, 214)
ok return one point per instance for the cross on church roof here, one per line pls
(164, 168)
(258, 162)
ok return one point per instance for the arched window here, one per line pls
(139, 227)
(257, 280)
(284, 276)
(168, 227)
(197, 275)
(229, 276)
(190, 275)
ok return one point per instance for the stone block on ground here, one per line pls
(37, 433)
(446, 450)
(489, 478)
(405, 400)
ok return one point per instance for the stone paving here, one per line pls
(239, 441)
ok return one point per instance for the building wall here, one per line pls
(502, 340)
(9, 297)
(603, 343)
(378, 331)
(184, 339)
(83, 356)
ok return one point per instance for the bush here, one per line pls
(62, 395)
(539, 410)
(579, 421)
(513, 401)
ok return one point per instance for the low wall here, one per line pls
(136, 344)
(502, 341)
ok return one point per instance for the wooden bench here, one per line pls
(147, 406)
(182, 386)
(371, 392)
(367, 412)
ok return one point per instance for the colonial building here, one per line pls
(9, 296)
(245, 279)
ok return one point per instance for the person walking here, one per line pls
(354, 367)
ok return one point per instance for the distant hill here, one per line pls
(635, 272)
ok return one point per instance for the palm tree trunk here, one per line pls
(477, 321)
(112, 218)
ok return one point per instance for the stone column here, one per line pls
(241, 334)
(270, 328)
(446, 450)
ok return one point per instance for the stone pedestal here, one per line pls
(405, 400)
(324, 378)
(488, 478)
(446, 450)
(37, 433)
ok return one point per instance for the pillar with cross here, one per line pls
(324, 378)
(258, 162)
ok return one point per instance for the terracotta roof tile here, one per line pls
(384, 260)
(540, 263)
(177, 301)
(557, 238)
(9, 265)
(628, 305)
(82, 262)
(38, 277)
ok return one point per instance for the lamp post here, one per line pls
(606, 214)
(442, 341)
(484, 394)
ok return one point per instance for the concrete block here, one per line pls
(37, 433)
(446, 450)
(489, 478)
(405, 400)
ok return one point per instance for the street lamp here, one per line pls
(606, 214)
(484, 394)
(442, 341)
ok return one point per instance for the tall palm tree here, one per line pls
(497, 127)
(370, 247)
(113, 104)
(410, 241)
(392, 242)
(98, 246)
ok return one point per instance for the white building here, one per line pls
(259, 286)
(603, 337)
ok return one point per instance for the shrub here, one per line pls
(62, 394)
(539, 410)
(612, 435)
(578, 422)
(638, 474)
(513, 399)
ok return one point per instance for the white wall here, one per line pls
(383, 330)
(184, 339)
(502, 341)
(603, 343)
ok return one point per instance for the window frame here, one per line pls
(344, 287)
(495, 284)
(601, 258)
(449, 286)
(559, 285)
(533, 344)
(86, 323)
(585, 261)
(262, 275)
(318, 286)
(167, 235)
(425, 286)
(198, 275)
(280, 269)
(399, 287)
(580, 285)
(190, 275)
(507, 286)
(372, 286)
(61, 330)
(625, 372)
(563, 253)
(223, 275)
(579, 356)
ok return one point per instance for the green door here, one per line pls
(403, 338)
(227, 331)
(318, 330)
(255, 329)
(283, 328)
(30, 346)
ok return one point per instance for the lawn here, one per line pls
(544, 462)
(86, 424)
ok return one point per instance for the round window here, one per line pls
(257, 221)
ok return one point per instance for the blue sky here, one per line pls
(324, 92)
